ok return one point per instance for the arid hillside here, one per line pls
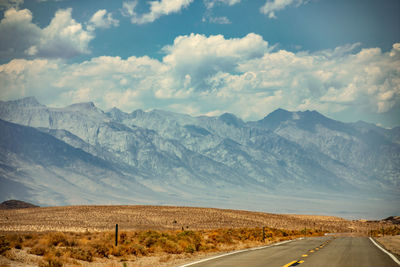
(15, 204)
(104, 218)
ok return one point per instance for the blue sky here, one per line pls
(206, 57)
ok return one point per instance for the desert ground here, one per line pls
(157, 235)
(103, 218)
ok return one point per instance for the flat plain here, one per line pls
(154, 235)
(104, 218)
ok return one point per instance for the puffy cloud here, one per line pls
(62, 38)
(157, 9)
(102, 19)
(211, 74)
(200, 56)
(271, 6)
(18, 33)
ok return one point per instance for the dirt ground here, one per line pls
(104, 218)
(391, 243)
(92, 219)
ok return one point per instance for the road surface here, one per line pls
(309, 252)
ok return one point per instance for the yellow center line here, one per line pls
(294, 263)
(290, 263)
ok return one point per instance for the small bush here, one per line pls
(81, 254)
(190, 249)
(51, 261)
(4, 245)
(56, 239)
(171, 247)
(138, 250)
(39, 250)
(101, 250)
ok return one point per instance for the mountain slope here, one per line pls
(288, 159)
(16, 204)
(55, 173)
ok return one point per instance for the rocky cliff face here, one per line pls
(176, 158)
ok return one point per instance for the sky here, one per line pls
(206, 57)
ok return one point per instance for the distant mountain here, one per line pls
(39, 167)
(16, 204)
(392, 219)
(286, 162)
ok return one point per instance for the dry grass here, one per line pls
(151, 235)
(61, 248)
(104, 218)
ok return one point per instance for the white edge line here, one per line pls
(235, 252)
(387, 252)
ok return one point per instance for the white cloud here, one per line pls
(211, 3)
(157, 9)
(62, 38)
(128, 8)
(271, 6)
(201, 56)
(18, 32)
(217, 20)
(212, 74)
(102, 19)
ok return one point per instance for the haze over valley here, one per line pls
(287, 162)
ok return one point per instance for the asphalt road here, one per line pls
(321, 251)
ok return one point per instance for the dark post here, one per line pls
(383, 231)
(263, 234)
(305, 231)
(116, 234)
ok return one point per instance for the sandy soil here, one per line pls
(102, 218)
(391, 243)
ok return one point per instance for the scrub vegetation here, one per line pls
(60, 248)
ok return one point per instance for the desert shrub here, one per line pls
(190, 249)
(123, 238)
(4, 245)
(224, 237)
(14, 241)
(170, 247)
(150, 241)
(118, 251)
(38, 249)
(18, 242)
(81, 254)
(51, 261)
(394, 230)
(101, 250)
(138, 250)
(56, 239)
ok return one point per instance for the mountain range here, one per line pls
(287, 162)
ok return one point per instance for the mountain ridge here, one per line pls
(212, 160)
